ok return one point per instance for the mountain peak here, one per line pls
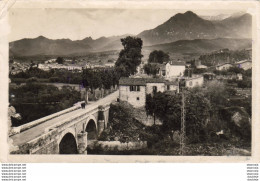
(88, 38)
(190, 13)
(41, 37)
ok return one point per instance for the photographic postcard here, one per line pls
(127, 81)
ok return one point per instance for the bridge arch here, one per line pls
(91, 128)
(67, 142)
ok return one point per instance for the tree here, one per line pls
(167, 108)
(34, 100)
(236, 70)
(60, 60)
(217, 94)
(244, 84)
(130, 57)
(158, 56)
(150, 106)
(91, 79)
(151, 69)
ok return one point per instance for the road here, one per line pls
(38, 130)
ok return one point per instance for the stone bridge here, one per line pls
(65, 132)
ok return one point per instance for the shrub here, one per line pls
(54, 79)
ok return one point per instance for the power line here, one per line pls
(183, 130)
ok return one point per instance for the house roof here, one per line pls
(202, 66)
(208, 73)
(143, 81)
(223, 64)
(172, 83)
(132, 81)
(154, 80)
(243, 61)
(195, 76)
(177, 63)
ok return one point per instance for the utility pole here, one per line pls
(183, 130)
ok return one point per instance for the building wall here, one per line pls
(245, 66)
(172, 88)
(149, 87)
(132, 96)
(224, 67)
(174, 70)
(194, 82)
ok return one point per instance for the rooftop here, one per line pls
(243, 61)
(132, 81)
(223, 64)
(143, 81)
(177, 63)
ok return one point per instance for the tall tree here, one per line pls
(167, 108)
(151, 69)
(158, 56)
(129, 57)
(60, 60)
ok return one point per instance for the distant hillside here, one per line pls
(236, 26)
(42, 46)
(225, 56)
(190, 26)
(45, 46)
(186, 26)
(201, 46)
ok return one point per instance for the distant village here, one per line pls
(69, 64)
(171, 77)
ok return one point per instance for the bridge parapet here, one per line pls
(16, 130)
(48, 142)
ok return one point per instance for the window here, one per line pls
(163, 73)
(190, 83)
(168, 87)
(138, 98)
(154, 89)
(134, 88)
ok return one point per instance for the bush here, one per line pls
(32, 79)
(244, 84)
(54, 79)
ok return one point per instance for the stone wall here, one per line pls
(174, 70)
(117, 145)
(135, 98)
(51, 148)
(48, 142)
(192, 82)
(160, 87)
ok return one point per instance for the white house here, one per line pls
(134, 90)
(172, 69)
(244, 64)
(109, 64)
(224, 66)
(201, 67)
(195, 80)
(44, 67)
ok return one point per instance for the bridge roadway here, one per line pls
(38, 130)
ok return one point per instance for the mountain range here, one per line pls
(189, 26)
(186, 26)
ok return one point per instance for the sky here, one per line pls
(77, 24)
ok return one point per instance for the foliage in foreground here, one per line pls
(207, 111)
(34, 101)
